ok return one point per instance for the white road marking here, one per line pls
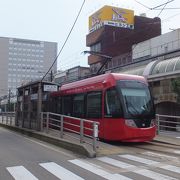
(177, 152)
(153, 175)
(59, 171)
(139, 159)
(171, 168)
(159, 155)
(116, 162)
(21, 173)
(98, 170)
(178, 137)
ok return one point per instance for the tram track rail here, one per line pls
(160, 147)
(153, 146)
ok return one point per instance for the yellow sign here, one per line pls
(112, 16)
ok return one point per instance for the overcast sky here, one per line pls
(51, 20)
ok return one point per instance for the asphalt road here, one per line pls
(23, 158)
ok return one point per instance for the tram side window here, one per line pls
(56, 105)
(67, 105)
(94, 108)
(52, 106)
(78, 105)
(112, 104)
(59, 105)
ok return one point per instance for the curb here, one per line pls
(74, 147)
(166, 142)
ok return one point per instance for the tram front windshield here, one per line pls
(136, 99)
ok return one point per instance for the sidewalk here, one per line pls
(168, 137)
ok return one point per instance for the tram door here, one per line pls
(94, 109)
(112, 112)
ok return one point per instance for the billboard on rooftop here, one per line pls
(112, 16)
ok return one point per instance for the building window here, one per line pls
(96, 47)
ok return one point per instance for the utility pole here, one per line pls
(9, 100)
(51, 76)
(39, 105)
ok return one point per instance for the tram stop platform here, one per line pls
(72, 143)
(168, 137)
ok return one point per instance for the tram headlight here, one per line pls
(130, 122)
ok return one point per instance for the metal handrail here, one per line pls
(163, 123)
(61, 123)
(8, 118)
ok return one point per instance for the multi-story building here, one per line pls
(158, 59)
(23, 60)
(73, 74)
(113, 31)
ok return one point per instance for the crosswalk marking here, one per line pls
(154, 175)
(177, 152)
(171, 168)
(20, 173)
(98, 170)
(59, 171)
(153, 154)
(143, 172)
(110, 172)
(139, 159)
(115, 162)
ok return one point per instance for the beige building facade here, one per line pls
(23, 61)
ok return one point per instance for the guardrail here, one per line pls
(167, 123)
(64, 124)
(7, 118)
(85, 128)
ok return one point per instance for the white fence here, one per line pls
(7, 118)
(67, 125)
(167, 123)
(81, 128)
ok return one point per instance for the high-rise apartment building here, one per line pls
(23, 60)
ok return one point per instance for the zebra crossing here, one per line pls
(148, 165)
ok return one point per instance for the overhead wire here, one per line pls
(166, 9)
(169, 1)
(142, 4)
(79, 12)
(152, 9)
(163, 8)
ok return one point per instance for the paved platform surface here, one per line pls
(168, 137)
